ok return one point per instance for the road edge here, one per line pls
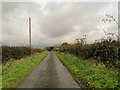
(31, 70)
(67, 69)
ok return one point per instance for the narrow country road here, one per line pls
(50, 73)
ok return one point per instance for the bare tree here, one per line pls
(110, 18)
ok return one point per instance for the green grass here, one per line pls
(88, 73)
(0, 76)
(13, 73)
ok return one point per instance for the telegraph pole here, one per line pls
(30, 35)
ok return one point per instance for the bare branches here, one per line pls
(110, 19)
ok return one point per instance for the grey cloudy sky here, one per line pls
(56, 22)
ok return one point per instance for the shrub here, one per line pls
(105, 51)
(37, 50)
(9, 52)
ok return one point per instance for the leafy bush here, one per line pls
(105, 51)
(14, 52)
(37, 50)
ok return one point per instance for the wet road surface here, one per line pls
(50, 73)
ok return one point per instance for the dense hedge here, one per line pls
(37, 50)
(105, 51)
(49, 48)
(14, 52)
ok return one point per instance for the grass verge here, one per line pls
(16, 71)
(88, 73)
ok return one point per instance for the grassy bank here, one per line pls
(16, 71)
(88, 73)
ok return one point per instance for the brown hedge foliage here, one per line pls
(37, 50)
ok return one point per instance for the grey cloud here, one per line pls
(52, 23)
(61, 22)
(9, 6)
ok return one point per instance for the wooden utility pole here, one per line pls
(30, 35)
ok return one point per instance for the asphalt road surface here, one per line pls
(50, 73)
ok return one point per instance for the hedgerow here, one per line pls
(10, 52)
(105, 51)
